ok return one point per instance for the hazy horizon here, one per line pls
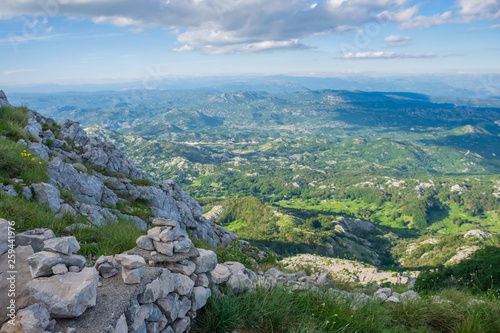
(97, 41)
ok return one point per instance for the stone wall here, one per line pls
(156, 287)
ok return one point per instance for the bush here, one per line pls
(480, 273)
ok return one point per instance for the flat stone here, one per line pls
(130, 261)
(386, 291)
(187, 267)
(167, 282)
(35, 238)
(160, 258)
(68, 295)
(202, 280)
(41, 263)
(275, 273)
(235, 266)
(64, 245)
(163, 222)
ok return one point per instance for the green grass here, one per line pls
(12, 122)
(17, 162)
(278, 310)
(94, 240)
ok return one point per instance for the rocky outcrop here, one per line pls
(3, 99)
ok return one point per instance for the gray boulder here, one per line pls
(4, 236)
(23, 276)
(41, 263)
(48, 195)
(33, 319)
(184, 285)
(63, 245)
(239, 282)
(39, 149)
(3, 99)
(68, 295)
(206, 262)
(200, 298)
(35, 238)
(220, 274)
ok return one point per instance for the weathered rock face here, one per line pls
(3, 99)
(68, 295)
(48, 195)
(41, 263)
(23, 276)
(33, 319)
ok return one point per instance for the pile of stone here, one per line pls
(170, 302)
(107, 266)
(50, 281)
(165, 239)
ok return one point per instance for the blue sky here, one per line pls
(94, 41)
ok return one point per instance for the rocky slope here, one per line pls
(100, 178)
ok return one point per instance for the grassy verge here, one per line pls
(94, 240)
(16, 162)
(278, 310)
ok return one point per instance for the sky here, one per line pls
(104, 41)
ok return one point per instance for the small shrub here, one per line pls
(142, 182)
(17, 162)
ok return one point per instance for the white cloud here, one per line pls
(136, 30)
(397, 41)
(224, 25)
(479, 9)
(183, 48)
(420, 22)
(386, 55)
(15, 71)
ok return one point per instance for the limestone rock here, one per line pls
(39, 149)
(48, 195)
(220, 274)
(68, 295)
(36, 238)
(181, 325)
(200, 297)
(4, 236)
(130, 261)
(59, 269)
(275, 273)
(183, 245)
(185, 285)
(164, 248)
(202, 280)
(145, 243)
(239, 283)
(167, 283)
(170, 306)
(234, 266)
(33, 319)
(206, 262)
(41, 263)
(151, 293)
(132, 276)
(64, 245)
(185, 306)
(121, 325)
(23, 276)
(4, 101)
(186, 267)
(162, 222)
(154, 234)
(386, 291)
